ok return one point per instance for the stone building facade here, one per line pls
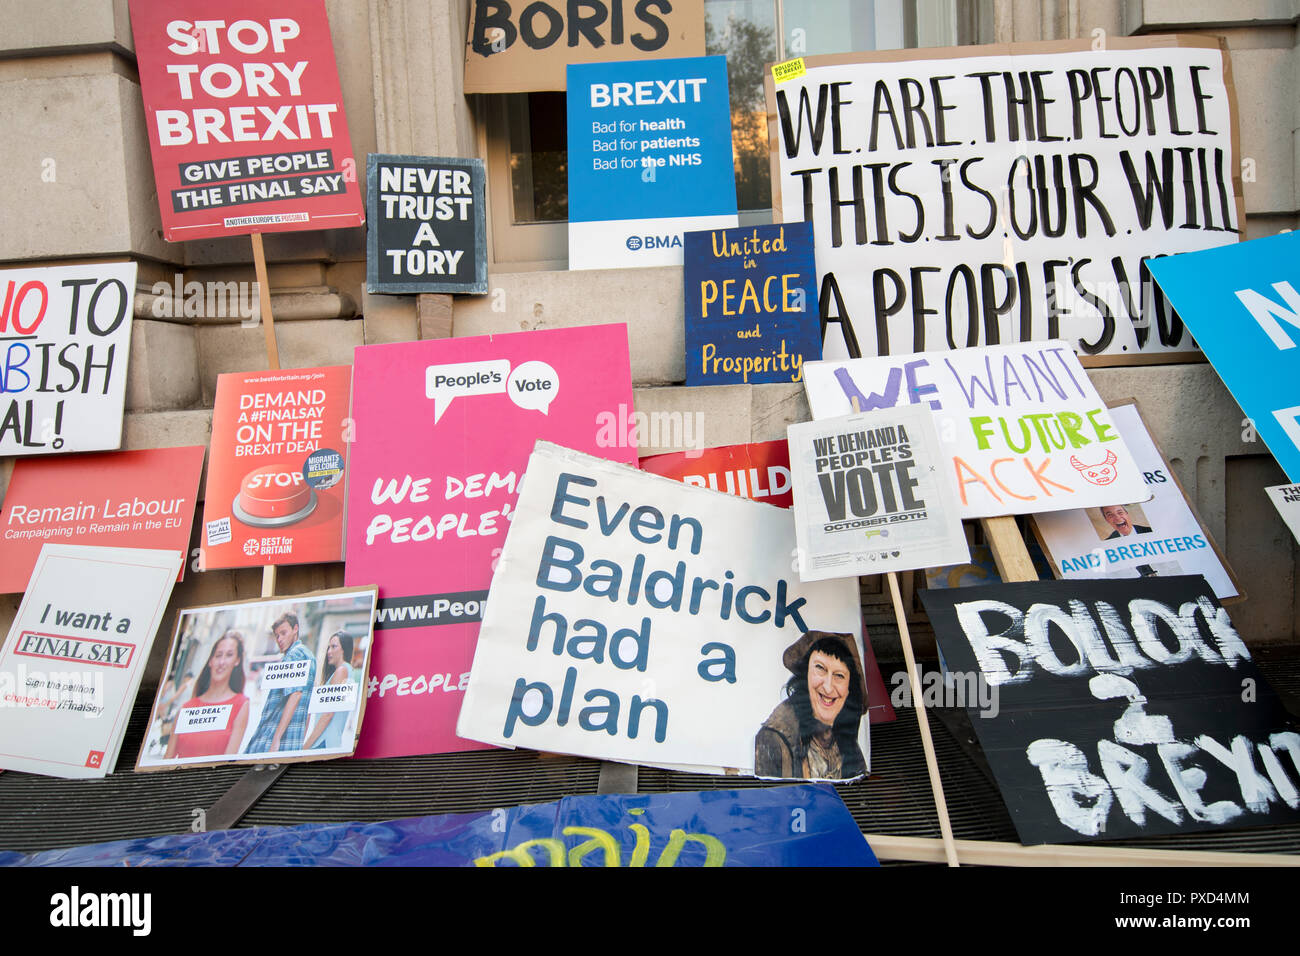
(77, 184)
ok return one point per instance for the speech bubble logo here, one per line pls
(534, 385)
(445, 383)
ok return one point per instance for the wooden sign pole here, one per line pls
(923, 722)
(264, 300)
(272, 357)
(918, 706)
(1009, 551)
(1014, 564)
(239, 799)
(992, 853)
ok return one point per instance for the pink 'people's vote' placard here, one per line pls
(443, 433)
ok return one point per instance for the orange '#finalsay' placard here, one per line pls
(277, 470)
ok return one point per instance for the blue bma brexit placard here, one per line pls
(751, 305)
(649, 159)
(1242, 305)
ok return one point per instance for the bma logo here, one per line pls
(654, 242)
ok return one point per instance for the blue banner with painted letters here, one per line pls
(805, 825)
(649, 159)
(1242, 304)
(751, 305)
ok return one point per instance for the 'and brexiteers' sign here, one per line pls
(1162, 536)
(66, 338)
(649, 159)
(1242, 303)
(245, 117)
(1023, 427)
(444, 428)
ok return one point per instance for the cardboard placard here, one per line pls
(1008, 193)
(1023, 425)
(871, 494)
(1286, 499)
(804, 825)
(517, 46)
(76, 651)
(983, 569)
(65, 333)
(443, 432)
(759, 471)
(1242, 303)
(271, 680)
(1160, 537)
(751, 305)
(124, 499)
(275, 491)
(650, 159)
(428, 230)
(624, 624)
(245, 117)
(1121, 708)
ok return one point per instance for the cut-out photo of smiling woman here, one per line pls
(813, 733)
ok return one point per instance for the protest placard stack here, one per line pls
(957, 234)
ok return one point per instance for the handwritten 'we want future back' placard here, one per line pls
(1023, 428)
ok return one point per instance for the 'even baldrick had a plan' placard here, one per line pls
(75, 654)
(871, 494)
(978, 195)
(65, 337)
(1023, 427)
(1125, 708)
(635, 618)
(427, 229)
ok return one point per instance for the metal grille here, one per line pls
(38, 813)
(337, 791)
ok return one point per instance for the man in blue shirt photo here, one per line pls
(283, 723)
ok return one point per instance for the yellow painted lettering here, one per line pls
(715, 854)
(599, 840)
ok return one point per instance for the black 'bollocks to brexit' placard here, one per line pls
(1124, 708)
(426, 218)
